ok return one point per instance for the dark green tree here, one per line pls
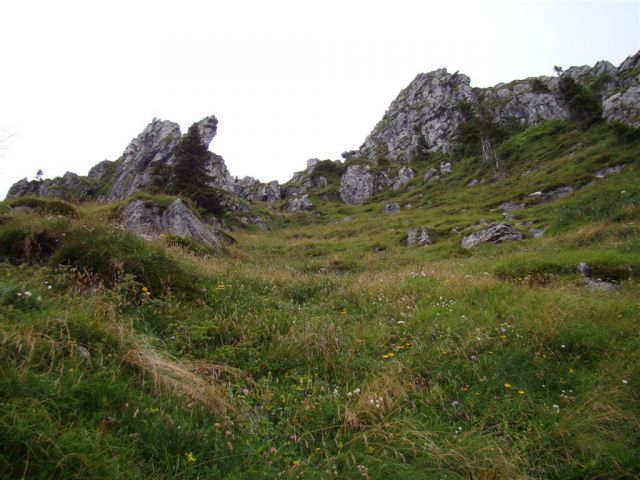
(584, 106)
(187, 175)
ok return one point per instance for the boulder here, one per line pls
(557, 193)
(420, 237)
(150, 219)
(357, 185)
(391, 208)
(431, 176)
(405, 175)
(298, 204)
(100, 170)
(495, 233)
(270, 192)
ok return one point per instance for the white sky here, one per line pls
(288, 80)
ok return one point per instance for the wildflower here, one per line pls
(357, 391)
(245, 391)
(27, 294)
(556, 408)
(273, 450)
(190, 457)
(507, 385)
(625, 381)
(293, 437)
(146, 291)
(520, 392)
(371, 449)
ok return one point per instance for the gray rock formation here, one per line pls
(557, 193)
(391, 208)
(405, 175)
(100, 170)
(605, 172)
(69, 186)
(154, 146)
(594, 284)
(431, 176)
(270, 192)
(357, 185)
(298, 204)
(419, 237)
(427, 110)
(496, 233)
(446, 167)
(150, 220)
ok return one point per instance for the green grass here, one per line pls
(326, 348)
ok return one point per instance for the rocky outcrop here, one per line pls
(151, 220)
(155, 146)
(270, 192)
(424, 112)
(298, 204)
(496, 233)
(69, 186)
(357, 185)
(101, 170)
(419, 237)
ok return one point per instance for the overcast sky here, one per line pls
(287, 80)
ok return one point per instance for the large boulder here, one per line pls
(497, 233)
(357, 185)
(420, 237)
(150, 219)
(269, 192)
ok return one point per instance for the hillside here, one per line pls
(462, 303)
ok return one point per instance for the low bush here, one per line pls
(46, 206)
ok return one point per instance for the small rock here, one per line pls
(585, 269)
(446, 167)
(536, 232)
(472, 183)
(610, 171)
(391, 208)
(557, 193)
(420, 238)
(298, 204)
(496, 233)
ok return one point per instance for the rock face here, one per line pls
(426, 113)
(419, 237)
(431, 176)
(405, 175)
(69, 186)
(149, 219)
(496, 233)
(357, 185)
(427, 110)
(269, 192)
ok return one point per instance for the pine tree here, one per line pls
(189, 165)
(189, 175)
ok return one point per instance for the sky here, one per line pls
(287, 80)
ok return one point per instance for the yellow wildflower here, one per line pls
(521, 392)
(190, 457)
(507, 385)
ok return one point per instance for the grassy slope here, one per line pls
(326, 348)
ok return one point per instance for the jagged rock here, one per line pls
(605, 172)
(405, 175)
(348, 155)
(99, 170)
(623, 107)
(425, 111)
(150, 220)
(311, 164)
(446, 167)
(431, 176)
(357, 185)
(496, 233)
(269, 192)
(421, 239)
(383, 180)
(298, 204)
(391, 208)
(155, 145)
(69, 186)
(536, 232)
(557, 193)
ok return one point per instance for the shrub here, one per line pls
(583, 106)
(109, 255)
